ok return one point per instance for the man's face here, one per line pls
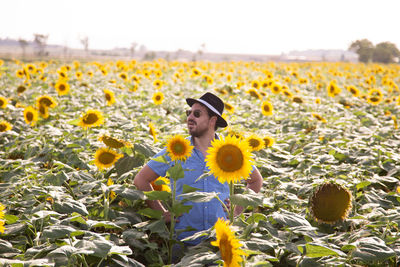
(198, 121)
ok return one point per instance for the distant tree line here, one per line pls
(385, 52)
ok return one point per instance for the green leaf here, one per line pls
(60, 231)
(370, 249)
(128, 193)
(199, 196)
(179, 208)
(10, 219)
(161, 159)
(69, 206)
(127, 163)
(152, 214)
(290, 219)
(7, 250)
(363, 184)
(247, 199)
(176, 172)
(315, 251)
(158, 195)
(97, 248)
(188, 189)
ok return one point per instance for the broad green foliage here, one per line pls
(62, 210)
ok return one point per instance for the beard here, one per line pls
(197, 132)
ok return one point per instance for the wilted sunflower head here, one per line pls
(21, 89)
(179, 148)
(5, 126)
(330, 203)
(105, 158)
(113, 142)
(91, 118)
(229, 159)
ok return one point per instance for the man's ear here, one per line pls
(213, 120)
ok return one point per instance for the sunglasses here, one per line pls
(196, 113)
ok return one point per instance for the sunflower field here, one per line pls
(324, 136)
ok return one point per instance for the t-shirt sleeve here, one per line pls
(158, 167)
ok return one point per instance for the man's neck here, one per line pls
(203, 142)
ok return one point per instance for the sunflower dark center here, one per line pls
(29, 116)
(106, 158)
(229, 158)
(90, 118)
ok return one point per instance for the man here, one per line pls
(203, 120)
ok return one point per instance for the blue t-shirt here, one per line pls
(203, 215)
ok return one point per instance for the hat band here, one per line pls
(209, 106)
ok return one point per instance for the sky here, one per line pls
(223, 26)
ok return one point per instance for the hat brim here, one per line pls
(221, 122)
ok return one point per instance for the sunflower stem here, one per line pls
(232, 208)
(172, 225)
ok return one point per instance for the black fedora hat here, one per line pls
(213, 103)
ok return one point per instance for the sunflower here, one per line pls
(109, 95)
(252, 92)
(105, 158)
(78, 75)
(267, 108)
(256, 143)
(62, 87)
(46, 101)
(375, 96)
(255, 84)
(158, 84)
(331, 203)
(5, 126)
(287, 93)
(161, 184)
(112, 193)
(318, 101)
(3, 102)
(91, 118)
(268, 141)
(43, 111)
(353, 90)
(229, 159)
(21, 89)
(319, 117)
(113, 142)
(395, 125)
(20, 73)
(152, 131)
(276, 88)
(179, 148)
(123, 76)
(158, 98)
(30, 115)
(297, 99)
(333, 89)
(195, 73)
(1, 211)
(228, 245)
(229, 107)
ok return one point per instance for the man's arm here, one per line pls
(143, 181)
(254, 182)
